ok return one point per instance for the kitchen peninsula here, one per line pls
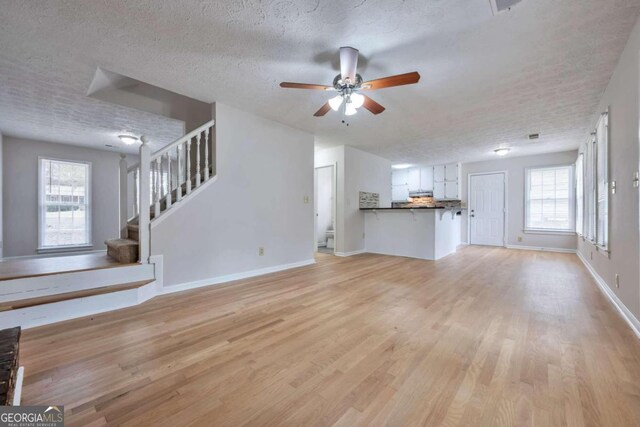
(424, 232)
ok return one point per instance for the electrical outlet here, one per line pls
(260, 251)
(617, 280)
(519, 238)
(306, 200)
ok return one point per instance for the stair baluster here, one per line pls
(179, 173)
(158, 194)
(168, 180)
(136, 186)
(206, 154)
(188, 143)
(198, 160)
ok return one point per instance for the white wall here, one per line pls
(264, 173)
(515, 167)
(1, 197)
(356, 171)
(20, 191)
(621, 96)
(325, 188)
(363, 172)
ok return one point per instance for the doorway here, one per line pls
(487, 208)
(325, 185)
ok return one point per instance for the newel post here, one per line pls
(144, 201)
(123, 196)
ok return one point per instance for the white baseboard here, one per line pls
(613, 298)
(345, 254)
(541, 248)
(236, 276)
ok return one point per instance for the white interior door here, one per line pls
(487, 209)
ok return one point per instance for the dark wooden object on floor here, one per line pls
(9, 346)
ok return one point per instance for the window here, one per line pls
(549, 199)
(589, 191)
(602, 182)
(580, 195)
(595, 186)
(64, 201)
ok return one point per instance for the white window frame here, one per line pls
(580, 205)
(572, 202)
(601, 184)
(42, 209)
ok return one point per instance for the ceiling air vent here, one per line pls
(498, 6)
(533, 136)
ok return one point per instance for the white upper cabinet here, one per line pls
(399, 193)
(399, 177)
(438, 190)
(438, 173)
(446, 179)
(426, 179)
(451, 190)
(451, 172)
(413, 179)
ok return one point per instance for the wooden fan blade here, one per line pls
(304, 86)
(372, 105)
(398, 80)
(323, 110)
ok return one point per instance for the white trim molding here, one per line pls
(346, 254)
(613, 298)
(232, 277)
(542, 249)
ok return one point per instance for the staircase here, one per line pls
(162, 179)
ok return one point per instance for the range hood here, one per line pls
(420, 193)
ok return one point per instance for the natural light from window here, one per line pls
(64, 204)
(549, 199)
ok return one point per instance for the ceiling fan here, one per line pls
(348, 84)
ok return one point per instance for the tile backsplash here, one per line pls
(369, 200)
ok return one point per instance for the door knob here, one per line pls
(472, 216)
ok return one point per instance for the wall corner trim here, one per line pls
(232, 277)
(613, 298)
(346, 254)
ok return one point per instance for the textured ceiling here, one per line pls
(486, 80)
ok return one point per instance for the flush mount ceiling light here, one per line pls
(502, 151)
(128, 139)
(348, 83)
(401, 166)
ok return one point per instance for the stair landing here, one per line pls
(33, 267)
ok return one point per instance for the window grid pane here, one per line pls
(549, 199)
(65, 220)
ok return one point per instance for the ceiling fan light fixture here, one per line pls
(350, 109)
(335, 102)
(357, 100)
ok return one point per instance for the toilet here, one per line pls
(329, 235)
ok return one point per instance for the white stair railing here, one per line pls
(153, 180)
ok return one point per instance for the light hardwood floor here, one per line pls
(482, 337)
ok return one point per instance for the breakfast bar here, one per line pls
(427, 233)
